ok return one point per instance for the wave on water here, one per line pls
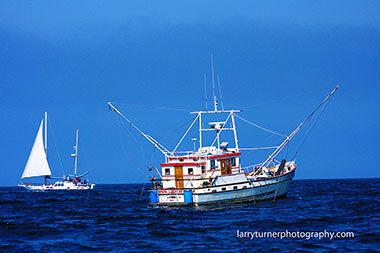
(113, 218)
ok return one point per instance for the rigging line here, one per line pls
(258, 148)
(204, 81)
(268, 102)
(286, 151)
(56, 147)
(177, 129)
(131, 157)
(275, 193)
(220, 93)
(260, 127)
(310, 129)
(295, 131)
(320, 105)
(139, 144)
(196, 118)
(152, 157)
(220, 131)
(154, 107)
(124, 149)
(148, 137)
(143, 188)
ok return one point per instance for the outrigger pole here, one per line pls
(155, 143)
(288, 138)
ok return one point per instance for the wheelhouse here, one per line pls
(193, 171)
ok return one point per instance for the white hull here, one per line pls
(271, 188)
(266, 189)
(58, 186)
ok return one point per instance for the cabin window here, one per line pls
(203, 169)
(190, 171)
(167, 171)
(212, 162)
(224, 188)
(195, 159)
(181, 160)
(233, 161)
(235, 187)
(223, 164)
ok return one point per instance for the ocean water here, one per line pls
(114, 218)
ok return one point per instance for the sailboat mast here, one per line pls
(46, 133)
(45, 177)
(76, 154)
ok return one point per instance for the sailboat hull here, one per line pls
(57, 186)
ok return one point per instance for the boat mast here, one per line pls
(46, 133)
(45, 177)
(76, 154)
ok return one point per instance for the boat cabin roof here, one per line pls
(197, 158)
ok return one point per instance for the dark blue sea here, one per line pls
(114, 218)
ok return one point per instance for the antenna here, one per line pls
(220, 93)
(213, 84)
(204, 80)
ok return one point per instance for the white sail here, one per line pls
(37, 164)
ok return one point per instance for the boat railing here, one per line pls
(251, 168)
(183, 153)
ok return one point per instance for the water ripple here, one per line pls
(112, 218)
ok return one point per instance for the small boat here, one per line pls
(214, 173)
(38, 166)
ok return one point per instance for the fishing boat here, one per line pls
(38, 166)
(214, 173)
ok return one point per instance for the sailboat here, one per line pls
(38, 166)
(213, 173)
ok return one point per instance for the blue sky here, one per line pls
(276, 61)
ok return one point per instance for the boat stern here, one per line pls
(168, 197)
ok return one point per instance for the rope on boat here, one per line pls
(275, 192)
(260, 127)
(271, 101)
(154, 107)
(148, 137)
(288, 138)
(56, 147)
(309, 131)
(124, 149)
